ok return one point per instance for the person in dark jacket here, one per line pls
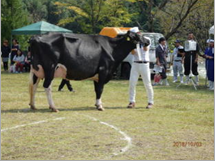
(5, 49)
(67, 82)
(161, 54)
(15, 48)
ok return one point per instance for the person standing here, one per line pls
(177, 56)
(161, 55)
(209, 55)
(191, 51)
(14, 50)
(5, 49)
(140, 66)
(67, 82)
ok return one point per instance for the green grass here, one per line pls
(179, 115)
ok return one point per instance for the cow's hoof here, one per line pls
(53, 109)
(32, 107)
(100, 108)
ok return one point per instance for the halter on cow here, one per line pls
(78, 57)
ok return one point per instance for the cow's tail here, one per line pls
(31, 88)
(35, 52)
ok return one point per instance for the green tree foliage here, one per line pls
(199, 21)
(145, 12)
(37, 9)
(92, 15)
(13, 15)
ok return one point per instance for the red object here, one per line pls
(19, 65)
(157, 78)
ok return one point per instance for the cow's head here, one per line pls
(137, 38)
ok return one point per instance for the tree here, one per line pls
(199, 21)
(37, 9)
(92, 15)
(145, 12)
(13, 15)
(183, 16)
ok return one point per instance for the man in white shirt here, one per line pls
(140, 66)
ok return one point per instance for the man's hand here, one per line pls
(133, 52)
(210, 57)
(145, 48)
(196, 60)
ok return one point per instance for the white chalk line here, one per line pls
(126, 137)
(34, 123)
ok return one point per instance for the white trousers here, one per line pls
(143, 70)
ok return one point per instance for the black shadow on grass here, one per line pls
(46, 110)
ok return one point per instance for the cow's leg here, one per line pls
(98, 91)
(33, 83)
(48, 90)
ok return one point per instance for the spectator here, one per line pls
(209, 55)
(191, 49)
(177, 56)
(161, 54)
(67, 82)
(27, 62)
(14, 49)
(5, 49)
(19, 61)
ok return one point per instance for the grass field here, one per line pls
(180, 126)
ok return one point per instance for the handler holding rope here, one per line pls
(140, 66)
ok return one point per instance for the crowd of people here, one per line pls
(183, 56)
(185, 61)
(16, 57)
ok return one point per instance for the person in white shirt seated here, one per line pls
(19, 61)
(140, 66)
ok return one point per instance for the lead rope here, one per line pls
(138, 51)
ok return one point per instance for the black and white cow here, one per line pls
(77, 57)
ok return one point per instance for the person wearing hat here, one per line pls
(177, 56)
(161, 54)
(140, 66)
(209, 55)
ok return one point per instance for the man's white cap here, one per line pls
(134, 29)
(210, 41)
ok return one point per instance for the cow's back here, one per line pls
(80, 54)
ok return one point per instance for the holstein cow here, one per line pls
(77, 57)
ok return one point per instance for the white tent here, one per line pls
(211, 30)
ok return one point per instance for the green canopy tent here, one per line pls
(39, 28)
